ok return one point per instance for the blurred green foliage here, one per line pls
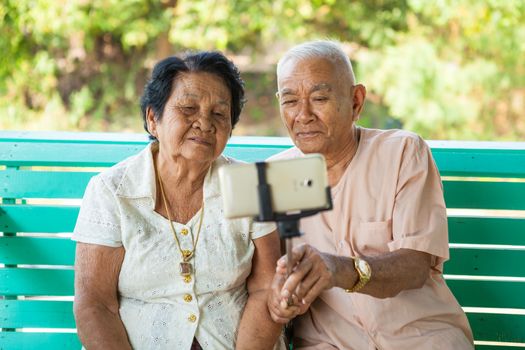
(447, 69)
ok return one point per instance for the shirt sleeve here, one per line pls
(99, 218)
(261, 229)
(419, 219)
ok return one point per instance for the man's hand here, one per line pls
(313, 272)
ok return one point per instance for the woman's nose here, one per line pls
(204, 122)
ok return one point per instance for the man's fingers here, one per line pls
(306, 284)
(296, 277)
(314, 292)
(298, 253)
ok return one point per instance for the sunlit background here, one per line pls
(446, 69)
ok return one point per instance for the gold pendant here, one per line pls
(187, 254)
(185, 269)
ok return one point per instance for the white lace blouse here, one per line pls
(159, 308)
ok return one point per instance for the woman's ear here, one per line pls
(151, 121)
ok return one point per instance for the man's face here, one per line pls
(317, 105)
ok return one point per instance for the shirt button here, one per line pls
(188, 298)
(192, 318)
(187, 279)
(184, 231)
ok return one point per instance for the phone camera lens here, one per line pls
(307, 182)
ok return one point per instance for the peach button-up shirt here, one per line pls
(390, 197)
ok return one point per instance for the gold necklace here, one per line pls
(185, 267)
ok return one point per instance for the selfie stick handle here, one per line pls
(287, 230)
(289, 262)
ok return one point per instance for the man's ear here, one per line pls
(151, 121)
(358, 102)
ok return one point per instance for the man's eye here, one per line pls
(218, 115)
(320, 98)
(288, 102)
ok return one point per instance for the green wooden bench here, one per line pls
(43, 177)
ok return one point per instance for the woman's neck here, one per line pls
(185, 175)
(183, 183)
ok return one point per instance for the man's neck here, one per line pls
(337, 163)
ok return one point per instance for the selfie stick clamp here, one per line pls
(288, 222)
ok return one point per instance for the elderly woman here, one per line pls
(157, 266)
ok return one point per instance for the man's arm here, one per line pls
(315, 272)
(96, 304)
(256, 329)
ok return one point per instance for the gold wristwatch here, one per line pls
(365, 273)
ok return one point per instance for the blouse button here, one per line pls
(187, 279)
(188, 298)
(192, 318)
(184, 231)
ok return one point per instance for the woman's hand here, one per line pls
(280, 309)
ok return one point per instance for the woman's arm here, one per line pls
(96, 304)
(257, 330)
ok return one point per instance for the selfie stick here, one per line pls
(288, 224)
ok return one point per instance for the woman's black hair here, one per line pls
(158, 89)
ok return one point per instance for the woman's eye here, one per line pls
(218, 115)
(188, 109)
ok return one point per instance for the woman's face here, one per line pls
(196, 123)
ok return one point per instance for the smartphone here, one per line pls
(297, 184)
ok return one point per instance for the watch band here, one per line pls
(363, 277)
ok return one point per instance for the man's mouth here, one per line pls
(306, 134)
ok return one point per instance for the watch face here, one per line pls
(364, 267)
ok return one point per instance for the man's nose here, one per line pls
(305, 113)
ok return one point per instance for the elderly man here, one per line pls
(368, 274)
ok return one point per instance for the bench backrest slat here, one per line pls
(486, 230)
(38, 218)
(36, 314)
(500, 327)
(37, 251)
(38, 340)
(484, 195)
(486, 262)
(503, 163)
(43, 184)
(489, 294)
(36, 282)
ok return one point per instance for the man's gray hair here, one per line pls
(327, 49)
